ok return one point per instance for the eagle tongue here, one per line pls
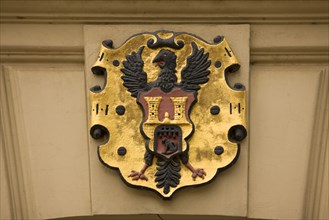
(161, 62)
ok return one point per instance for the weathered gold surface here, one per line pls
(210, 130)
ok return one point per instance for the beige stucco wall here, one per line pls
(48, 168)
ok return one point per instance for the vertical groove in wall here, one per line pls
(88, 125)
(5, 141)
(248, 124)
(15, 148)
(316, 200)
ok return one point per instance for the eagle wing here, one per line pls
(135, 79)
(196, 71)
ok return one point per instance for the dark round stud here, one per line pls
(237, 133)
(122, 151)
(214, 110)
(219, 150)
(98, 131)
(97, 70)
(233, 68)
(116, 63)
(96, 89)
(239, 86)
(120, 109)
(107, 43)
(218, 64)
(218, 39)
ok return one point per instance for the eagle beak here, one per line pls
(158, 61)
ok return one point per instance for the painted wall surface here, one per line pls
(49, 166)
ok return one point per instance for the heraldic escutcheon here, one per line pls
(166, 114)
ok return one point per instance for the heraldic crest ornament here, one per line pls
(166, 114)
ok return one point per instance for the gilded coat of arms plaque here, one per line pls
(166, 111)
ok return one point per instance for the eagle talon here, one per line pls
(137, 175)
(199, 172)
